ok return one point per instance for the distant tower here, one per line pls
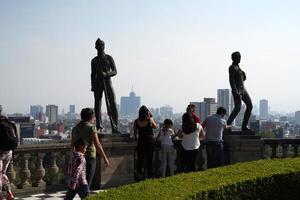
(72, 109)
(36, 111)
(130, 104)
(263, 109)
(297, 117)
(52, 113)
(224, 99)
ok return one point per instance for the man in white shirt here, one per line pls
(214, 125)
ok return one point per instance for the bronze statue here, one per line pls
(239, 92)
(103, 68)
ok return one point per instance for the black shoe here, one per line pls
(116, 131)
(246, 129)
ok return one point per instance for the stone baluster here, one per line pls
(263, 151)
(40, 171)
(11, 173)
(295, 146)
(285, 148)
(53, 169)
(274, 150)
(25, 172)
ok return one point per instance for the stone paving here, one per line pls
(50, 196)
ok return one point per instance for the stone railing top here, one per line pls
(272, 141)
(42, 147)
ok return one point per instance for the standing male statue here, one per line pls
(103, 68)
(239, 92)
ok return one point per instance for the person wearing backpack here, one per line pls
(191, 134)
(8, 142)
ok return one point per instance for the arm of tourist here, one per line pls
(158, 135)
(204, 123)
(152, 123)
(172, 133)
(179, 133)
(100, 149)
(201, 134)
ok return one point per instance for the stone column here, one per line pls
(53, 169)
(25, 172)
(11, 173)
(40, 171)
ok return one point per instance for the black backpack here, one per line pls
(8, 135)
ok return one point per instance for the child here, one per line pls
(165, 135)
(77, 183)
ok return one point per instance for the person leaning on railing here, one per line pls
(85, 130)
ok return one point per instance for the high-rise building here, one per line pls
(263, 109)
(130, 104)
(36, 111)
(297, 117)
(208, 107)
(72, 109)
(166, 111)
(52, 113)
(211, 106)
(224, 99)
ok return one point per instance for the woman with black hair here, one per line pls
(191, 134)
(143, 133)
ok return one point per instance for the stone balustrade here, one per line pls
(37, 168)
(280, 148)
(41, 167)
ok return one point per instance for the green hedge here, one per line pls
(263, 179)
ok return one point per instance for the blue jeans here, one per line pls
(90, 169)
(83, 191)
(215, 152)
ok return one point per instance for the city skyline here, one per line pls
(172, 52)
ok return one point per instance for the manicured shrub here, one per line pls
(264, 179)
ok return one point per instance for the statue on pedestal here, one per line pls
(239, 92)
(103, 68)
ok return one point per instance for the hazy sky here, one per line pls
(172, 52)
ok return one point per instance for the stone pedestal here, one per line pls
(119, 149)
(240, 146)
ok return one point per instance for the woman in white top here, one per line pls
(191, 134)
(165, 136)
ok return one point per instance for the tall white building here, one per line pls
(263, 109)
(297, 117)
(52, 113)
(224, 99)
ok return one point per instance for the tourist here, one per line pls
(143, 133)
(191, 133)
(77, 183)
(7, 129)
(165, 136)
(85, 130)
(214, 126)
